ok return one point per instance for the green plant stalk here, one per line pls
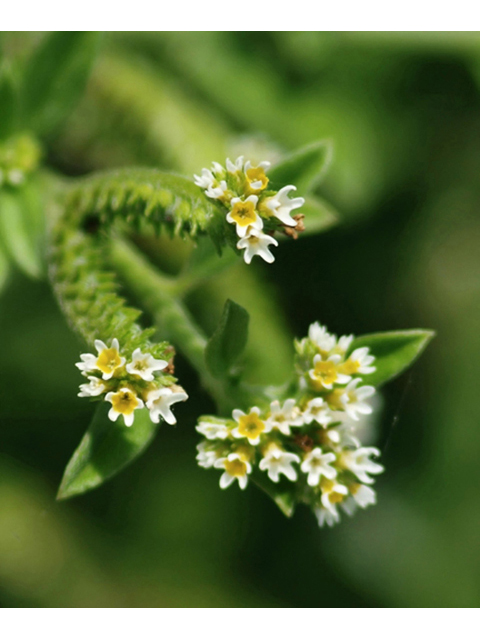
(174, 321)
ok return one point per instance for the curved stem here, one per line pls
(173, 320)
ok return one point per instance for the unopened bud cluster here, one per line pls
(309, 439)
(128, 385)
(250, 205)
(19, 156)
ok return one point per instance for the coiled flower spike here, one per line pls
(242, 191)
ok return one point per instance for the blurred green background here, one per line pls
(403, 111)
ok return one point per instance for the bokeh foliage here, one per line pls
(403, 111)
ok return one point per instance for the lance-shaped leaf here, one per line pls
(394, 351)
(303, 168)
(228, 341)
(55, 77)
(8, 103)
(15, 233)
(282, 493)
(106, 448)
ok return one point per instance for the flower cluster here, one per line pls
(19, 156)
(309, 439)
(128, 385)
(253, 208)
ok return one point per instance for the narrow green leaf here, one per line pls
(8, 103)
(106, 448)
(303, 168)
(55, 78)
(228, 341)
(282, 493)
(15, 233)
(394, 351)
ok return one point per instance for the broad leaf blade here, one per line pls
(394, 351)
(15, 233)
(303, 168)
(55, 78)
(228, 341)
(8, 103)
(106, 448)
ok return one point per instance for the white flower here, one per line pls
(341, 435)
(213, 430)
(256, 178)
(218, 170)
(316, 464)
(107, 361)
(321, 338)
(236, 166)
(359, 361)
(317, 410)
(361, 496)
(256, 244)
(94, 388)
(244, 215)
(359, 463)
(277, 461)
(160, 400)
(250, 425)
(329, 517)
(326, 373)
(144, 364)
(206, 457)
(206, 180)
(332, 494)
(89, 362)
(282, 418)
(236, 467)
(280, 205)
(124, 402)
(343, 344)
(353, 399)
(217, 191)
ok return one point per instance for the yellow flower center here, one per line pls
(354, 488)
(125, 402)
(250, 426)
(236, 467)
(244, 213)
(335, 497)
(257, 174)
(350, 367)
(333, 398)
(325, 372)
(326, 486)
(108, 360)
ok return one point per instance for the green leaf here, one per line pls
(55, 78)
(4, 269)
(303, 168)
(15, 233)
(8, 103)
(282, 493)
(106, 448)
(394, 351)
(228, 341)
(319, 216)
